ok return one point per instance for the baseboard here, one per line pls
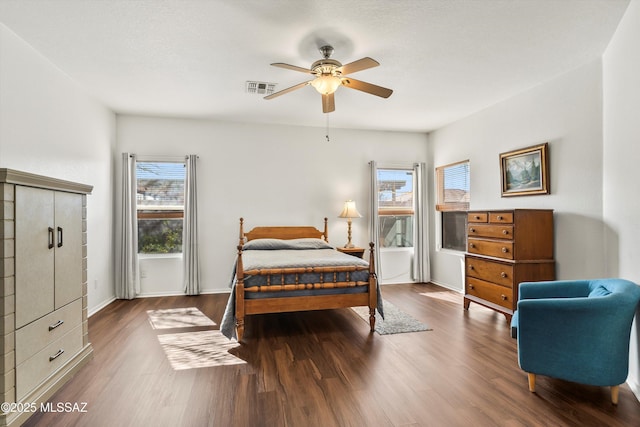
(94, 310)
(181, 294)
(635, 388)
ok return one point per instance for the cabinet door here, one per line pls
(68, 253)
(34, 253)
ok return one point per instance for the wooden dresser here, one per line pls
(43, 273)
(505, 248)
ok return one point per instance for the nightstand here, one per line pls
(357, 252)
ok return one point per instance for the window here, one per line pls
(453, 202)
(160, 196)
(395, 208)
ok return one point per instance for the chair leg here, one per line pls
(532, 382)
(615, 390)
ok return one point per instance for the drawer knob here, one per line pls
(503, 274)
(472, 230)
(503, 297)
(505, 231)
(505, 250)
(470, 286)
(55, 356)
(471, 245)
(471, 267)
(55, 325)
(477, 217)
(499, 217)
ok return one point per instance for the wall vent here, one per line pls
(260, 88)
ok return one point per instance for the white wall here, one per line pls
(49, 126)
(621, 77)
(268, 174)
(565, 112)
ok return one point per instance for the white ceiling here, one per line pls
(444, 59)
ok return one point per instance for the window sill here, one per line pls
(159, 256)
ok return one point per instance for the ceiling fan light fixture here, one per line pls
(326, 84)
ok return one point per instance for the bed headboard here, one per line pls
(283, 232)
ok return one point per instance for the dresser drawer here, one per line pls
(41, 365)
(501, 217)
(35, 336)
(490, 271)
(491, 231)
(479, 217)
(490, 248)
(490, 292)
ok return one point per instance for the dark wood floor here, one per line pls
(324, 369)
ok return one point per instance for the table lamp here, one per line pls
(349, 212)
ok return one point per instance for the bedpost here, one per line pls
(241, 237)
(373, 287)
(326, 230)
(239, 293)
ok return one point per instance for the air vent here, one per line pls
(260, 88)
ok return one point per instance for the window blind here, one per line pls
(453, 187)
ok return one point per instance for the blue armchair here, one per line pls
(576, 330)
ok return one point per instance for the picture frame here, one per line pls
(525, 172)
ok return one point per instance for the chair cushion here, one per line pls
(599, 291)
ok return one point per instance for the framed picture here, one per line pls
(525, 171)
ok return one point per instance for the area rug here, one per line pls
(203, 349)
(395, 320)
(178, 318)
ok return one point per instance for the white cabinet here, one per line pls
(43, 277)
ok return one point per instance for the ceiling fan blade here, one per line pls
(359, 65)
(292, 67)
(366, 87)
(287, 90)
(328, 103)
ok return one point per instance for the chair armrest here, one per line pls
(553, 289)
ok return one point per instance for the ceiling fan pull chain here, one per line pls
(327, 131)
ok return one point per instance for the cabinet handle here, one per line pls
(477, 217)
(499, 217)
(472, 230)
(55, 325)
(471, 267)
(471, 245)
(505, 231)
(50, 238)
(505, 250)
(55, 356)
(471, 287)
(503, 297)
(59, 237)
(503, 274)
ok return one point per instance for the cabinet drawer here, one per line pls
(491, 248)
(477, 217)
(490, 271)
(491, 231)
(41, 365)
(33, 337)
(490, 292)
(501, 217)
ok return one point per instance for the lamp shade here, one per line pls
(326, 84)
(349, 210)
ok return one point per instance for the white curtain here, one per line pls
(374, 222)
(190, 256)
(421, 242)
(127, 283)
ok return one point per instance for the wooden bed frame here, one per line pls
(245, 307)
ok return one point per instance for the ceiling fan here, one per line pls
(330, 75)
